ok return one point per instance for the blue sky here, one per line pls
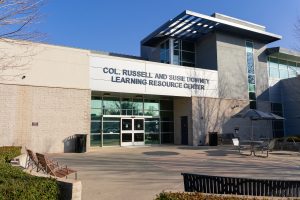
(119, 25)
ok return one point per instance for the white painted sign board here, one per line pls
(122, 75)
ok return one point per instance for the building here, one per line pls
(195, 72)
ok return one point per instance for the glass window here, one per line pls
(151, 107)
(95, 139)
(137, 106)
(183, 53)
(166, 115)
(283, 71)
(152, 138)
(252, 96)
(167, 138)
(188, 57)
(188, 46)
(126, 105)
(111, 139)
(96, 114)
(167, 126)
(166, 105)
(250, 63)
(252, 104)
(164, 52)
(251, 79)
(111, 125)
(96, 102)
(96, 127)
(152, 125)
(249, 46)
(273, 69)
(251, 87)
(111, 106)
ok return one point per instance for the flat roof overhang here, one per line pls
(282, 53)
(191, 26)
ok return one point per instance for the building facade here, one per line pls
(194, 73)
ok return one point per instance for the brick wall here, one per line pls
(59, 113)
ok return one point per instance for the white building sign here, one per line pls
(113, 74)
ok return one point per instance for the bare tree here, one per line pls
(18, 19)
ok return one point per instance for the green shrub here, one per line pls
(194, 196)
(16, 184)
(9, 152)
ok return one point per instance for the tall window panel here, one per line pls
(183, 53)
(282, 69)
(96, 121)
(251, 74)
(165, 52)
(277, 125)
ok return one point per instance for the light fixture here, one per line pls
(205, 25)
(199, 24)
(194, 32)
(211, 27)
(189, 30)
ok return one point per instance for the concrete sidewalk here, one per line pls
(142, 172)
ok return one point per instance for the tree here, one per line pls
(17, 27)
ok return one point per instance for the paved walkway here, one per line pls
(142, 172)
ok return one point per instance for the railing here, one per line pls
(240, 186)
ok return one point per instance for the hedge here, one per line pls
(9, 152)
(195, 196)
(16, 184)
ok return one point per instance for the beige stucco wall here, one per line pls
(215, 115)
(60, 113)
(182, 107)
(43, 65)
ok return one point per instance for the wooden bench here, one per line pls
(240, 186)
(32, 161)
(52, 168)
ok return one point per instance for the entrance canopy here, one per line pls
(191, 26)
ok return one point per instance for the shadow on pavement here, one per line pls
(160, 153)
(219, 152)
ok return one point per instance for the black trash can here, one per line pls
(80, 143)
(213, 138)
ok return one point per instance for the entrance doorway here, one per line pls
(132, 131)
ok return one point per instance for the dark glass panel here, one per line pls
(126, 137)
(166, 104)
(111, 139)
(152, 138)
(166, 115)
(167, 138)
(167, 126)
(95, 140)
(96, 114)
(126, 124)
(138, 137)
(252, 104)
(151, 125)
(96, 127)
(138, 124)
(111, 126)
(252, 96)
(188, 46)
(251, 79)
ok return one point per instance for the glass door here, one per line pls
(138, 132)
(132, 132)
(126, 132)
